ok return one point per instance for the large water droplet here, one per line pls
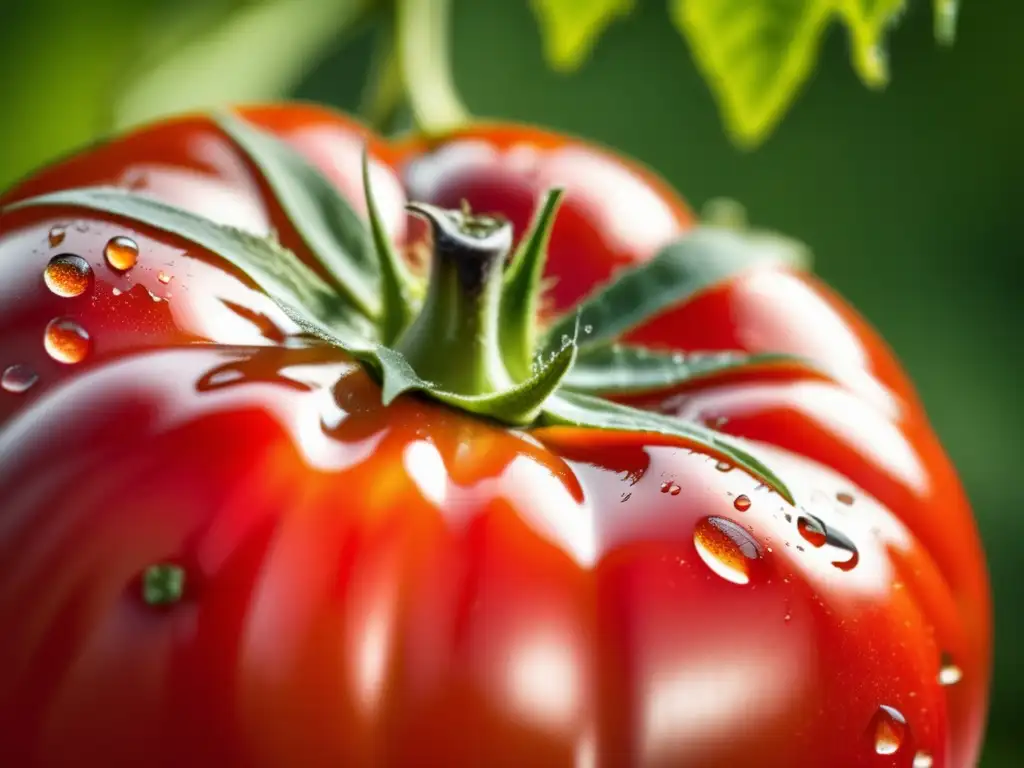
(66, 341)
(122, 253)
(817, 534)
(67, 275)
(726, 548)
(723, 466)
(742, 503)
(55, 236)
(888, 727)
(670, 488)
(949, 673)
(18, 379)
(923, 760)
(164, 278)
(812, 529)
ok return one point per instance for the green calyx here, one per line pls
(468, 335)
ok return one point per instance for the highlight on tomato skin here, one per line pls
(222, 548)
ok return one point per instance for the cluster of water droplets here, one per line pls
(69, 276)
(729, 550)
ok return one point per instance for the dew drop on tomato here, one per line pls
(949, 673)
(922, 760)
(839, 540)
(742, 503)
(55, 236)
(18, 378)
(68, 275)
(723, 466)
(812, 530)
(66, 341)
(164, 278)
(670, 488)
(121, 253)
(844, 498)
(888, 727)
(726, 548)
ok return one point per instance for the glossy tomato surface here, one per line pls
(410, 586)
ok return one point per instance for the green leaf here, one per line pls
(757, 55)
(571, 27)
(699, 260)
(266, 262)
(521, 290)
(396, 282)
(324, 219)
(220, 53)
(616, 369)
(868, 21)
(578, 410)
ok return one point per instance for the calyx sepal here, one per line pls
(472, 342)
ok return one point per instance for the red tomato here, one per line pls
(412, 586)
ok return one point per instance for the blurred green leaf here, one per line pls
(756, 56)
(234, 53)
(60, 62)
(571, 27)
(868, 21)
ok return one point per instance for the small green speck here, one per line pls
(163, 584)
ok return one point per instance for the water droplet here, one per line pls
(742, 503)
(850, 563)
(726, 548)
(844, 498)
(588, 328)
(164, 278)
(66, 341)
(56, 236)
(949, 673)
(122, 253)
(923, 760)
(67, 275)
(888, 727)
(18, 379)
(812, 529)
(163, 584)
(670, 488)
(723, 466)
(117, 291)
(787, 617)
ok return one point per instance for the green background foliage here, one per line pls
(907, 195)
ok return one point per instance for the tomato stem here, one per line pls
(454, 340)
(421, 28)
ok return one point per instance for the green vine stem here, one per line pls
(421, 30)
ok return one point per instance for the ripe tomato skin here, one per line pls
(574, 541)
(515, 604)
